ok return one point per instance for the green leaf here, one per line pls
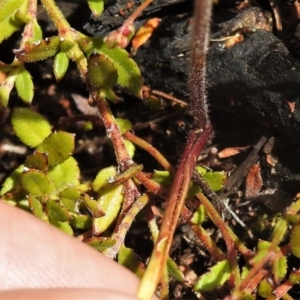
(96, 6)
(60, 66)
(56, 212)
(81, 221)
(12, 181)
(216, 277)
(35, 206)
(174, 271)
(37, 161)
(63, 226)
(215, 180)
(20, 17)
(92, 205)
(295, 277)
(162, 177)
(110, 203)
(65, 45)
(129, 74)
(101, 243)
(131, 261)
(9, 7)
(37, 32)
(101, 71)
(8, 23)
(130, 147)
(103, 177)
(65, 175)
(280, 268)
(199, 216)
(24, 85)
(124, 125)
(69, 198)
(30, 127)
(58, 146)
(36, 183)
(39, 50)
(295, 240)
(265, 289)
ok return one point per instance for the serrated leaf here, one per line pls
(56, 212)
(12, 181)
(101, 71)
(39, 50)
(131, 261)
(69, 198)
(81, 221)
(58, 146)
(124, 125)
(37, 161)
(110, 203)
(30, 127)
(174, 271)
(103, 177)
(35, 206)
(265, 289)
(65, 175)
(280, 268)
(216, 277)
(96, 6)
(63, 226)
(24, 85)
(36, 183)
(129, 75)
(60, 66)
(295, 277)
(101, 243)
(295, 240)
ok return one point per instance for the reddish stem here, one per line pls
(150, 149)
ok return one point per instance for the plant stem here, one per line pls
(180, 186)
(114, 133)
(150, 149)
(66, 32)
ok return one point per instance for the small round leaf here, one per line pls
(30, 127)
(58, 146)
(24, 85)
(37, 161)
(101, 71)
(36, 183)
(60, 66)
(65, 175)
(56, 212)
(103, 177)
